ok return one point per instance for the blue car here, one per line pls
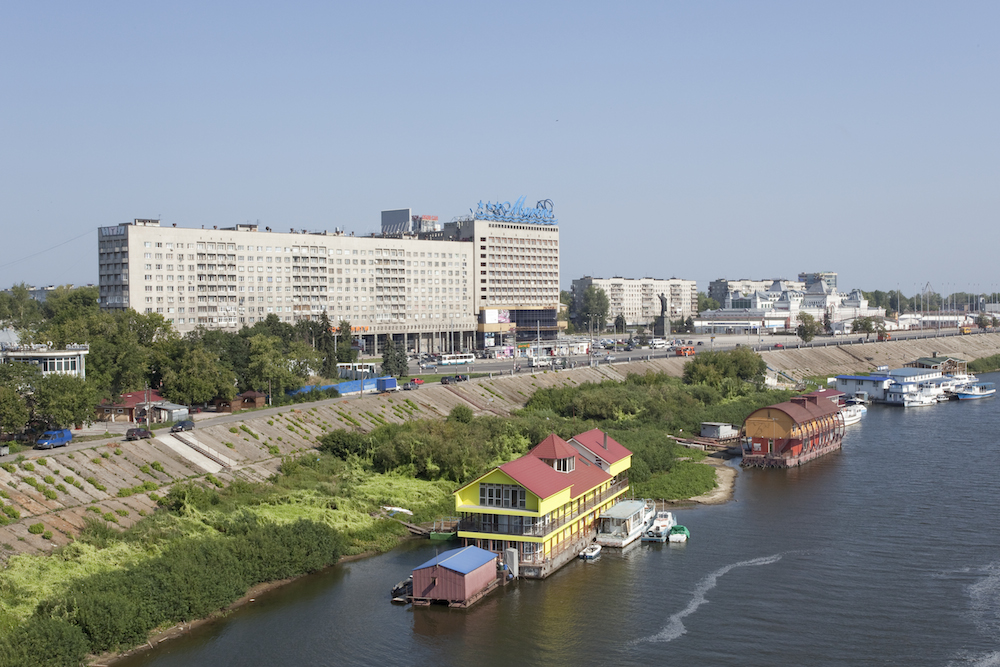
(57, 438)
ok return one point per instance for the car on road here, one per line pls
(461, 378)
(55, 438)
(411, 386)
(779, 346)
(701, 342)
(417, 381)
(186, 425)
(447, 379)
(609, 358)
(428, 366)
(138, 434)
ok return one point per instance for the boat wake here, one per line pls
(675, 626)
(984, 603)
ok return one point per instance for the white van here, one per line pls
(540, 362)
(657, 344)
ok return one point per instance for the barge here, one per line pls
(789, 434)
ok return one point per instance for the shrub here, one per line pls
(121, 512)
(233, 429)
(69, 479)
(41, 460)
(253, 435)
(49, 479)
(157, 466)
(111, 518)
(61, 487)
(9, 467)
(105, 455)
(461, 413)
(36, 529)
(145, 469)
(118, 451)
(44, 641)
(50, 494)
(29, 466)
(97, 485)
(230, 445)
(214, 480)
(12, 512)
(47, 535)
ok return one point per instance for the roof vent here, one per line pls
(605, 440)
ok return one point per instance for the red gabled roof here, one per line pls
(553, 447)
(134, 398)
(543, 480)
(804, 408)
(593, 440)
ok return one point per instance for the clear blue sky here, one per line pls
(689, 139)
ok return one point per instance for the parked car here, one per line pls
(417, 381)
(138, 433)
(779, 346)
(56, 438)
(186, 425)
(447, 379)
(461, 378)
(411, 386)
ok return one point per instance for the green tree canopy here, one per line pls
(268, 367)
(706, 302)
(808, 327)
(64, 400)
(198, 377)
(595, 307)
(394, 360)
(13, 410)
(865, 325)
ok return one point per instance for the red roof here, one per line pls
(553, 447)
(543, 480)
(804, 408)
(132, 399)
(594, 441)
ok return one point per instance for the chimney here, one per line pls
(605, 440)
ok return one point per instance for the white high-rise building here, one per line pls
(638, 299)
(437, 289)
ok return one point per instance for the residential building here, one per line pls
(430, 290)
(827, 277)
(721, 288)
(544, 504)
(638, 299)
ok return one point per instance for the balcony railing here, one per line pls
(474, 523)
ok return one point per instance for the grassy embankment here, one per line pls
(206, 546)
(985, 365)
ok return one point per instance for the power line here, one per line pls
(3, 266)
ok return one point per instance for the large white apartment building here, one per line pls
(432, 291)
(638, 299)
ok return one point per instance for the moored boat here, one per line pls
(591, 552)
(679, 534)
(852, 413)
(976, 390)
(624, 523)
(660, 527)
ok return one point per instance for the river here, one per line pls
(885, 553)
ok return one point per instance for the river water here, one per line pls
(885, 553)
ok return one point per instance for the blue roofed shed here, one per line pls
(455, 577)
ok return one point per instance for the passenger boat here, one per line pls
(679, 534)
(976, 390)
(624, 523)
(852, 413)
(919, 399)
(660, 528)
(591, 552)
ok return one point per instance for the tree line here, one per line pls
(130, 351)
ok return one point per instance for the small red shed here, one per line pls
(455, 576)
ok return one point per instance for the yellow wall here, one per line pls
(468, 495)
(618, 467)
(769, 424)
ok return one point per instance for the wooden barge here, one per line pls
(792, 433)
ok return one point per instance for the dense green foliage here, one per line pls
(808, 327)
(394, 361)
(728, 371)
(985, 364)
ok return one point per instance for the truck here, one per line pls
(55, 438)
(386, 384)
(684, 351)
(965, 330)
(884, 335)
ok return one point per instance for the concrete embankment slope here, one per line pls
(842, 359)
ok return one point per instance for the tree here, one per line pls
(64, 400)
(706, 302)
(595, 307)
(865, 325)
(345, 354)
(808, 327)
(18, 309)
(13, 410)
(620, 323)
(268, 368)
(827, 322)
(983, 320)
(198, 377)
(394, 360)
(326, 345)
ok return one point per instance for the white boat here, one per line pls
(679, 534)
(919, 399)
(976, 390)
(591, 552)
(659, 529)
(852, 414)
(624, 523)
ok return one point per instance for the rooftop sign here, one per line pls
(518, 212)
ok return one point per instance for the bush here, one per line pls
(12, 512)
(461, 413)
(44, 642)
(49, 479)
(157, 466)
(36, 529)
(47, 535)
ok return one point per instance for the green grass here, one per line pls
(685, 480)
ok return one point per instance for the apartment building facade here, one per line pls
(638, 299)
(428, 290)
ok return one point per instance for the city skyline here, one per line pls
(718, 140)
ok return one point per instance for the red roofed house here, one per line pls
(131, 408)
(545, 504)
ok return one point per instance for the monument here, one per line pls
(661, 327)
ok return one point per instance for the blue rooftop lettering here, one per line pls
(518, 212)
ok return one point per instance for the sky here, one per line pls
(696, 140)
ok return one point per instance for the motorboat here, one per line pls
(853, 413)
(679, 534)
(591, 552)
(660, 527)
(919, 399)
(976, 390)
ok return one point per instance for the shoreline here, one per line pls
(725, 477)
(179, 629)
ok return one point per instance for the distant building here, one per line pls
(40, 293)
(638, 299)
(402, 221)
(721, 288)
(827, 277)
